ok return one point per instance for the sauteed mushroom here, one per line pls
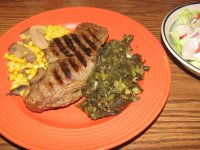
(37, 36)
(21, 51)
(17, 90)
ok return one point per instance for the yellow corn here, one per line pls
(33, 72)
(30, 43)
(9, 56)
(22, 36)
(16, 65)
(11, 69)
(42, 54)
(36, 66)
(53, 31)
(41, 65)
(20, 75)
(11, 77)
(39, 60)
(28, 71)
(30, 77)
(13, 86)
(22, 92)
(15, 72)
(29, 65)
(6, 55)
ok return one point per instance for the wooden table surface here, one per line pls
(178, 126)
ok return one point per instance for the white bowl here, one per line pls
(165, 30)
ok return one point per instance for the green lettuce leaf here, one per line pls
(185, 17)
(195, 63)
(174, 37)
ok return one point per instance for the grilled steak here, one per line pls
(71, 59)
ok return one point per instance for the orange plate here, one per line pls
(69, 127)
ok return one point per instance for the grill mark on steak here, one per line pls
(89, 42)
(81, 59)
(59, 44)
(73, 64)
(81, 45)
(65, 69)
(57, 76)
(65, 51)
(55, 51)
(92, 34)
(70, 44)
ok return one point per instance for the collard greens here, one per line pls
(113, 84)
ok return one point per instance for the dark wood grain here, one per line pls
(178, 126)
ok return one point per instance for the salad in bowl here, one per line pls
(185, 36)
(180, 32)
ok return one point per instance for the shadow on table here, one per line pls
(12, 144)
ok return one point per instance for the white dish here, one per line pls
(165, 31)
